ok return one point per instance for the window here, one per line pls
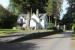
(40, 20)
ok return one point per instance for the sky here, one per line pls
(4, 3)
(64, 7)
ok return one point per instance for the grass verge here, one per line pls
(73, 36)
(5, 32)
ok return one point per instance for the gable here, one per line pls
(42, 16)
(35, 17)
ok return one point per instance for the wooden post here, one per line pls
(49, 19)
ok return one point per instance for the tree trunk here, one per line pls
(55, 22)
(49, 19)
(28, 20)
(29, 14)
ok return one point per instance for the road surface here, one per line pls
(51, 42)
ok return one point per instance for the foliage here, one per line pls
(7, 19)
(50, 26)
(49, 8)
(22, 6)
(53, 9)
(43, 5)
(73, 27)
(69, 18)
(72, 9)
(73, 16)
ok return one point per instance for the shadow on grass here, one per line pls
(33, 36)
(17, 46)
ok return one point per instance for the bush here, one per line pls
(50, 26)
(73, 27)
(8, 21)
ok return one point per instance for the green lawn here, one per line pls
(5, 32)
(73, 36)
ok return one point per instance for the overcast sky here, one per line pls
(4, 3)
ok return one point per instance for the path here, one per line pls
(53, 42)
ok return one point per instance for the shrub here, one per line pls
(73, 27)
(8, 21)
(50, 26)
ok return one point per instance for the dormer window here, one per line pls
(40, 20)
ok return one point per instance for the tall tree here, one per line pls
(71, 10)
(24, 5)
(7, 19)
(69, 17)
(53, 8)
(49, 8)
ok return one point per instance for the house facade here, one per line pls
(37, 22)
(43, 21)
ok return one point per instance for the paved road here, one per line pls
(53, 42)
(10, 37)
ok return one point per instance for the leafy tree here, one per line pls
(21, 6)
(49, 8)
(71, 9)
(70, 14)
(53, 9)
(67, 20)
(7, 19)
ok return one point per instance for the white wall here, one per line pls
(34, 21)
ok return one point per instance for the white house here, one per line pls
(22, 20)
(34, 22)
(43, 21)
(37, 22)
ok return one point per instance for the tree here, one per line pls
(53, 9)
(71, 11)
(23, 5)
(49, 8)
(7, 19)
(67, 20)
(69, 17)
